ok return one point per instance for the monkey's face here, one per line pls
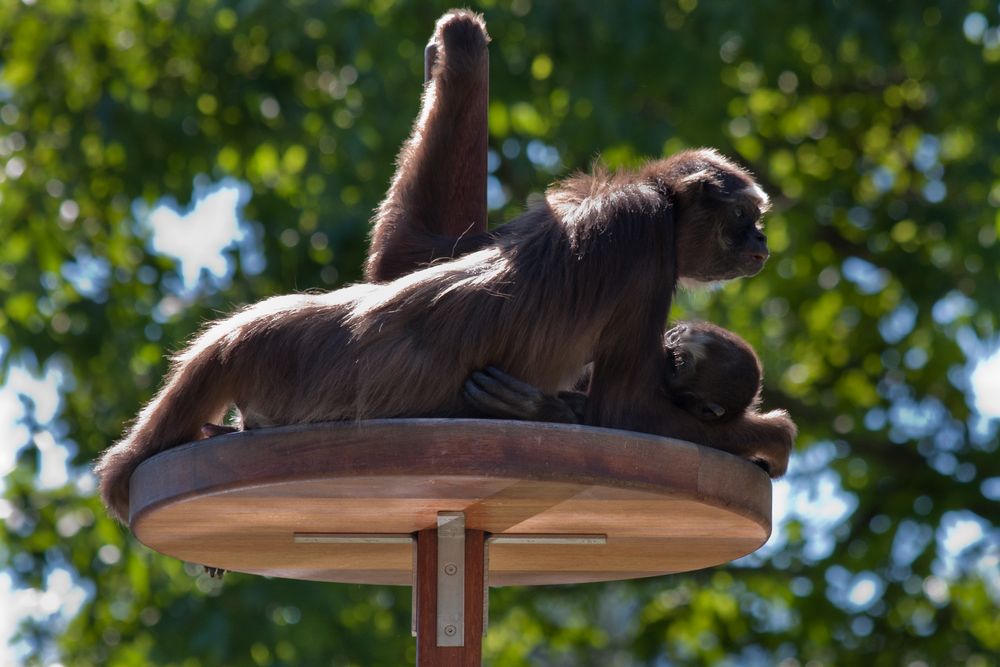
(686, 349)
(717, 212)
(741, 234)
(720, 236)
(715, 375)
(718, 209)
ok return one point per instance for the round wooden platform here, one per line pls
(237, 501)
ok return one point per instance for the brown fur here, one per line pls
(765, 438)
(716, 374)
(586, 275)
(425, 191)
(589, 274)
(712, 373)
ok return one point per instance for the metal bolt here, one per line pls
(450, 630)
(450, 568)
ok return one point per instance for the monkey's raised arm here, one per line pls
(433, 208)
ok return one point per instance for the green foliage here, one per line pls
(875, 129)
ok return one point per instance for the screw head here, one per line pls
(450, 630)
(450, 568)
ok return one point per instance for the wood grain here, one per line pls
(235, 501)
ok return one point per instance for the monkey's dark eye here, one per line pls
(739, 212)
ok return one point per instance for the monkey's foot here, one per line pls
(212, 430)
(773, 451)
(459, 43)
(214, 572)
(773, 459)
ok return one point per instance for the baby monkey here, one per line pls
(711, 398)
(715, 376)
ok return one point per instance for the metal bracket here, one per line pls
(352, 538)
(372, 538)
(525, 538)
(451, 579)
(450, 566)
(538, 538)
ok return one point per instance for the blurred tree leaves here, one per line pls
(874, 127)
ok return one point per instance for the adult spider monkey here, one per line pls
(713, 374)
(586, 275)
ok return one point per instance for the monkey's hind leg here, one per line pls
(438, 193)
(211, 431)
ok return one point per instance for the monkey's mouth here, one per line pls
(744, 266)
(753, 263)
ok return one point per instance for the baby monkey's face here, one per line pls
(715, 374)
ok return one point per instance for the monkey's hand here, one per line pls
(575, 401)
(499, 395)
(772, 454)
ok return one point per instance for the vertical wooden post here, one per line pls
(465, 208)
(429, 654)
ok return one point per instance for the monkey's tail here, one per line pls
(196, 392)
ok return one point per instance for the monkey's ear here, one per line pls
(697, 178)
(704, 182)
(673, 336)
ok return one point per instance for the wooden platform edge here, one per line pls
(461, 446)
